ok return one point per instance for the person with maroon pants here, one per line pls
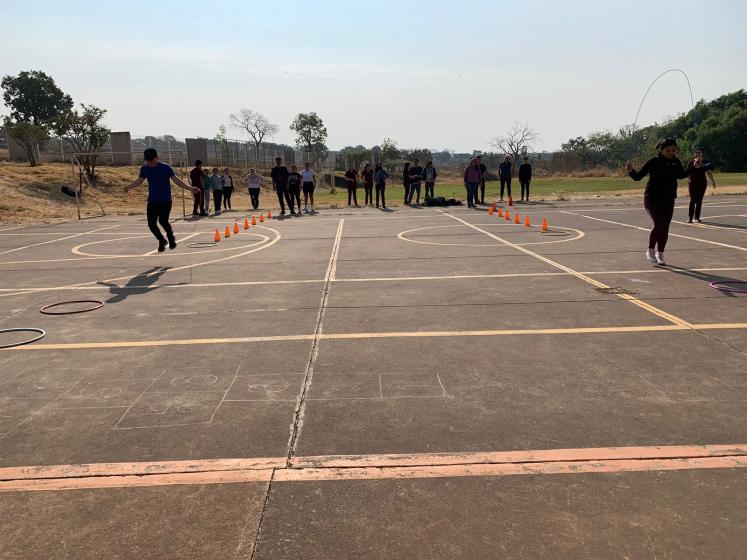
(698, 184)
(663, 171)
(197, 178)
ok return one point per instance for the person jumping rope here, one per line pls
(158, 176)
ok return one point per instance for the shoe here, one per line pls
(690, 221)
(500, 200)
(195, 214)
(698, 221)
(650, 257)
(172, 243)
(660, 260)
(204, 214)
(282, 213)
(161, 246)
(293, 213)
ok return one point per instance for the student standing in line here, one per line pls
(208, 191)
(525, 177)
(472, 181)
(380, 177)
(254, 184)
(483, 173)
(227, 189)
(416, 175)
(368, 184)
(429, 176)
(351, 182)
(406, 181)
(505, 170)
(279, 175)
(197, 178)
(158, 209)
(698, 184)
(294, 186)
(217, 191)
(663, 170)
(309, 185)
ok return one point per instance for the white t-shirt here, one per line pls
(308, 175)
(253, 181)
(227, 181)
(217, 182)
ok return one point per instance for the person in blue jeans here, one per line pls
(505, 170)
(472, 181)
(159, 177)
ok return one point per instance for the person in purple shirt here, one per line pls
(159, 177)
(472, 178)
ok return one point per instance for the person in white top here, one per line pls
(254, 182)
(227, 188)
(309, 184)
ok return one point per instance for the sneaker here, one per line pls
(500, 200)
(161, 246)
(690, 221)
(650, 257)
(698, 221)
(172, 243)
(282, 213)
(660, 260)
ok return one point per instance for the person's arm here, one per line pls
(639, 174)
(136, 183)
(313, 178)
(435, 174)
(529, 177)
(709, 172)
(272, 176)
(184, 185)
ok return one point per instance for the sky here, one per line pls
(435, 74)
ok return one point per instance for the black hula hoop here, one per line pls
(98, 305)
(555, 233)
(200, 244)
(724, 286)
(42, 334)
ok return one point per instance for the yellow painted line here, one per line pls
(627, 297)
(374, 335)
(55, 240)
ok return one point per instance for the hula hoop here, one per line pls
(723, 286)
(98, 304)
(200, 244)
(555, 233)
(42, 334)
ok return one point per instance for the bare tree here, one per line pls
(256, 125)
(516, 141)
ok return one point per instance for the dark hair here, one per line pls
(150, 154)
(698, 149)
(379, 166)
(278, 159)
(665, 143)
(198, 162)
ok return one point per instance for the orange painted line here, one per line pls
(139, 468)
(222, 477)
(509, 469)
(531, 456)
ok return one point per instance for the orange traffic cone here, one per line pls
(217, 235)
(500, 212)
(227, 233)
(261, 217)
(491, 210)
(544, 224)
(508, 215)
(527, 222)
(236, 228)
(269, 214)
(510, 201)
(254, 221)
(517, 220)
(246, 223)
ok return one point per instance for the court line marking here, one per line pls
(652, 270)
(374, 335)
(716, 227)
(670, 233)
(55, 240)
(627, 297)
(402, 236)
(154, 251)
(374, 466)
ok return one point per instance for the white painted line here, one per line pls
(154, 251)
(55, 240)
(332, 267)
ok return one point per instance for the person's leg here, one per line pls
(254, 195)
(482, 191)
(355, 196)
(378, 195)
(218, 200)
(281, 200)
(311, 198)
(666, 213)
(229, 192)
(407, 194)
(289, 200)
(503, 186)
(469, 195)
(416, 188)
(508, 186)
(653, 235)
(350, 196)
(383, 196)
(691, 207)
(164, 211)
(152, 212)
(527, 199)
(700, 193)
(197, 199)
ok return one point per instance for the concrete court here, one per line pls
(366, 384)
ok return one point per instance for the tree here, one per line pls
(516, 141)
(390, 154)
(33, 97)
(256, 126)
(311, 134)
(28, 135)
(85, 132)
(221, 144)
(421, 154)
(356, 155)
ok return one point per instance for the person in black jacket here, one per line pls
(481, 187)
(505, 170)
(663, 170)
(525, 177)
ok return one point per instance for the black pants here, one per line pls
(407, 193)
(482, 190)
(227, 192)
(661, 212)
(283, 197)
(217, 199)
(524, 189)
(352, 195)
(199, 201)
(414, 188)
(380, 191)
(254, 195)
(295, 194)
(368, 190)
(506, 183)
(697, 192)
(429, 189)
(158, 213)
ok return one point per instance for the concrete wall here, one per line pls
(197, 148)
(121, 142)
